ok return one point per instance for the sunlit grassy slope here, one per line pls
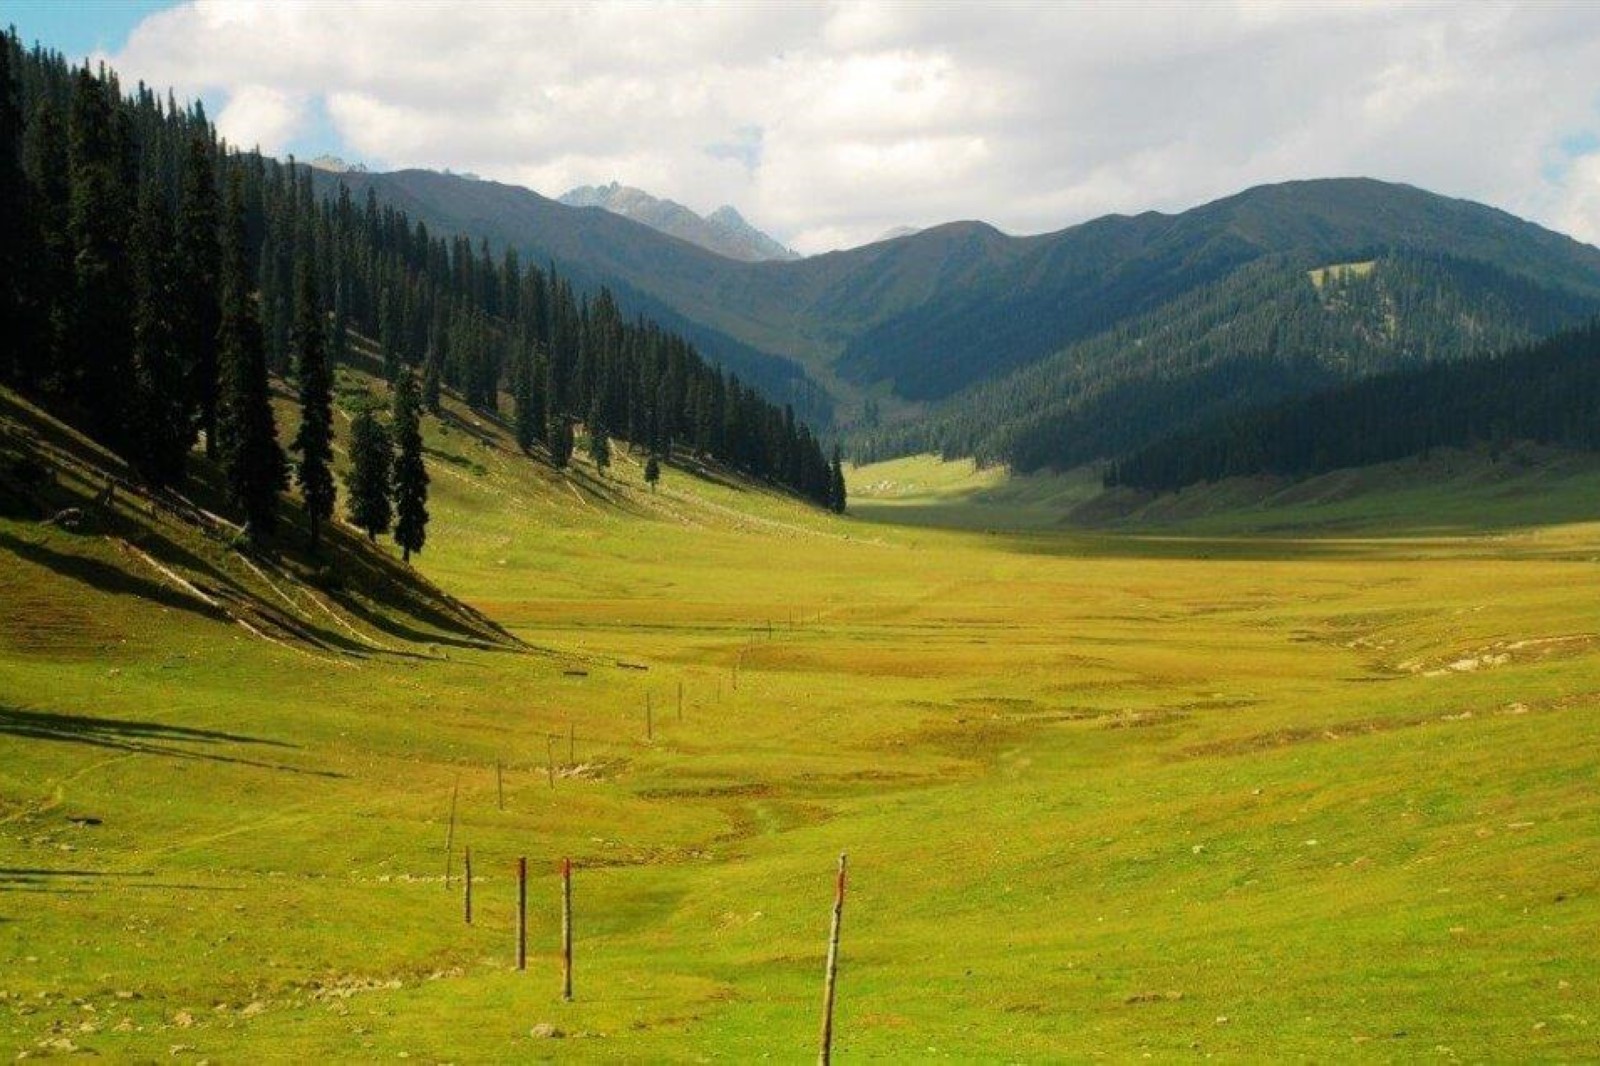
(1102, 794)
(1450, 492)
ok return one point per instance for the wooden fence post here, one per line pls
(550, 759)
(522, 913)
(826, 1054)
(450, 835)
(571, 736)
(566, 930)
(468, 873)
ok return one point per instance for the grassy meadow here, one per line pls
(1105, 794)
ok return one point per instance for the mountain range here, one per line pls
(724, 231)
(1050, 339)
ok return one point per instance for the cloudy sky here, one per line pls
(828, 123)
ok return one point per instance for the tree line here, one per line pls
(153, 279)
(1269, 331)
(1548, 393)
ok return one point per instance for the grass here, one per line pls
(1104, 794)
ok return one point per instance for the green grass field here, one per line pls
(1315, 796)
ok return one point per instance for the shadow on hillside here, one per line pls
(105, 577)
(61, 882)
(395, 628)
(139, 738)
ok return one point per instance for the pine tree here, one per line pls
(14, 223)
(530, 412)
(367, 485)
(314, 441)
(161, 430)
(410, 475)
(47, 282)
(836, 490)
(431, 384)
(247, 435)
(199, 264)
(558, 440)
(652, 471)
(599, 444)
(101, 329)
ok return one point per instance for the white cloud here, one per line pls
(261, 115)
(852, 117)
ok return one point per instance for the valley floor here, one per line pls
(1102, 794)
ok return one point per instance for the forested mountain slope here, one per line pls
(923, 318)
(1267, 332)
(1548, 393)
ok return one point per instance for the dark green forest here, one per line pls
(153, 278)
(1548, 393)
(1274, 329)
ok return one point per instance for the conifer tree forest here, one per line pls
(153, 279)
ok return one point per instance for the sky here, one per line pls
(829, 123)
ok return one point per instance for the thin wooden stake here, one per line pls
(566, 930)
(550, 759)
(570, 738)
(468, 873)
(522, 913)
(500, 784)
(450, 835)
(826, 1055)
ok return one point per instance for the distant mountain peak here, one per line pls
(724, 231)
(334, 165)
(895, 233)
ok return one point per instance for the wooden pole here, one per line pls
(571, 736)
(522, 913)
(566, 930)
(450, 835)
(550, 759)
(826, 1055)
(500, 784)
(468, 873)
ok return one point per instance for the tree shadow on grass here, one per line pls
(106, 577)
(39, 879)
(139, 738)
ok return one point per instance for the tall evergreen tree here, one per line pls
(368, 486)
(199, 264)
(431, 384)
(314, 441)
(599, 444)
(410, 475)
(836, 489)
(558, 440)
(15, 202)
(247, 434)
(48, 277)
(652, 471)
(101, 328)
(529, 409)
(160, 427)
